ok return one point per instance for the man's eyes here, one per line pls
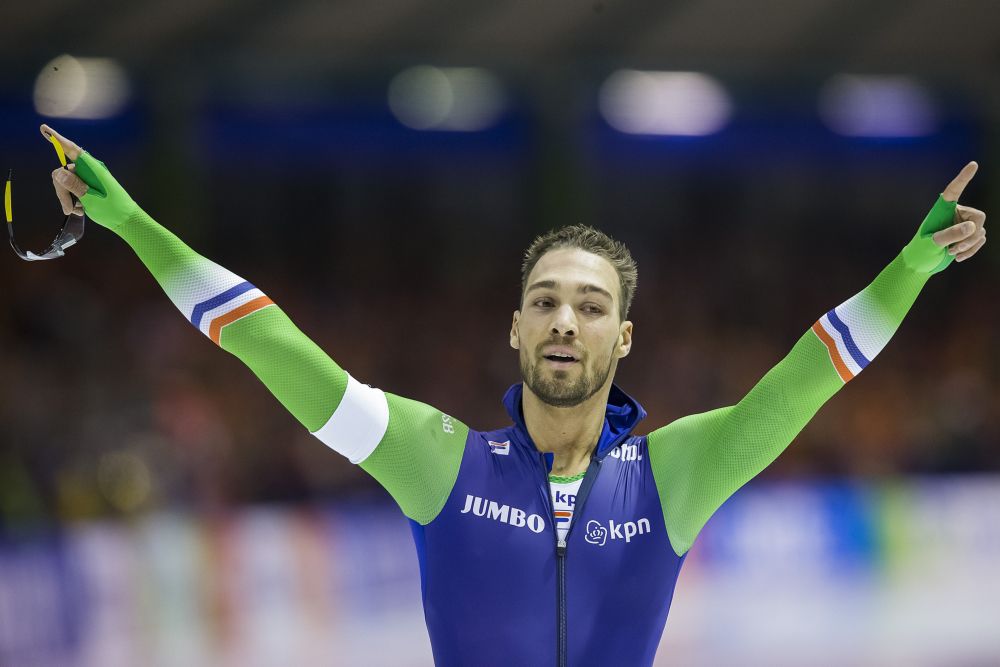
(590, 307)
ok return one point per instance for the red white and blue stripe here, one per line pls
(227, 306)
(853, 333)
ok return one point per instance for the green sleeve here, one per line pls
(700, 460)
(412, 449)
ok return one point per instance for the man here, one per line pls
(494, 513)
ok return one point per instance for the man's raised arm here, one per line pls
(700, 460)
(413, 450)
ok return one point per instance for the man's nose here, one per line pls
(564, 321)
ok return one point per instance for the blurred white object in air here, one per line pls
(664, 103)
(89, 88)
(464, 99)
(877, 106)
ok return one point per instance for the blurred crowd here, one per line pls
(112, 403)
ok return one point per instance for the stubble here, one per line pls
(557, 388)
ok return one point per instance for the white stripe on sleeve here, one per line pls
(357, 425)
(198, 283)
(871, 327)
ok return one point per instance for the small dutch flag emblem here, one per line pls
(502, 448)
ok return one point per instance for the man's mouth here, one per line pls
(560, 360)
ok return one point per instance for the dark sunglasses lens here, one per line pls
(71, 232)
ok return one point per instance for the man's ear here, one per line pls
(514, 341)
(625, 336)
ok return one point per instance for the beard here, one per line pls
(555, 387)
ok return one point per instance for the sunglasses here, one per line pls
(69, 234)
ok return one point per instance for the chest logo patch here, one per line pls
(512, 516)
(626, 452)
(598, 534)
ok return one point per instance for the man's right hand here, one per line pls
(66, 182)
(101, 197)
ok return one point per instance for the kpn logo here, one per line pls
(598, 534)
(626, 452)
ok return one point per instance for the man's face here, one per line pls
(570, 306)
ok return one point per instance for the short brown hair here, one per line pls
(593, 241)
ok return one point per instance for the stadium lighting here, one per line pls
(89, 88)
(877, 106)
(664, 103)
(463, 99)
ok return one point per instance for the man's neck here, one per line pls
(571, 434)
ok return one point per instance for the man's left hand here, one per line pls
(968, 232)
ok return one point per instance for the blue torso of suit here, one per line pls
(497, 587)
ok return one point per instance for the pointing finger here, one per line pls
(954, 189)
(70, 148)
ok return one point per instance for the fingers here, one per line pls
(70, 181)
(64, 181)
(67, 183)
(955, 233)
(954, 189)
(70, 148)
(62, 194)
(964, 248)
(966, 243)
(962, 256)
(963, 213)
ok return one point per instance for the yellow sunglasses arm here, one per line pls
(59, 150)
(6, 199)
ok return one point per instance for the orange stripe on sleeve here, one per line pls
(831, 347)
(215, 330)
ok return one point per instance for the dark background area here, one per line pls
(260, 134)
